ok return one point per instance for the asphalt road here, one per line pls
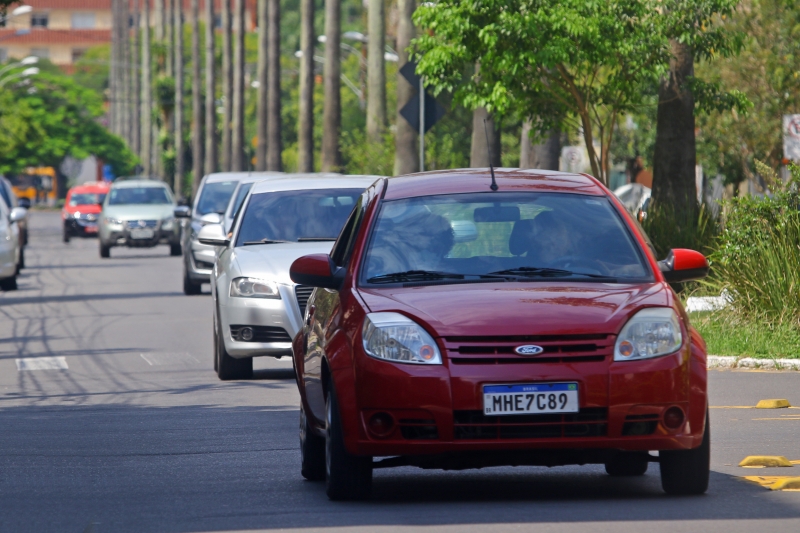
(137, 434)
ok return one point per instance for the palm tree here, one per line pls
(136, 132)
(305, 133)
(376, 72)
(274, 144)
(177, 34)
(211, 105)
(197, 97)
(147, 95)
(237, 125)
(332, 112)
(227, 84)
(406, 154)
(261, 75)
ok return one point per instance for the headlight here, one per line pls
(113, 221)
(395, 337)
(254, 288)
(651, 332)
(167, 223)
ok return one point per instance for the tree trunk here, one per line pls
(124, 72)
(197, 99)
(406, 142)
(237, 128)
(479, 153)
(161, 20)
(376, 72)
(227, 84)
(113, 87)
(544, 155)
(675, 152)
(261, 75)
(170, 26)
(211, 93)
(305, 133)
(274, 141)
(332, 112)
(136, 125)
(178, 65)
(147, 95)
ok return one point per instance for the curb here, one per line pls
(718, 361)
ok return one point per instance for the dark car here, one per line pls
(456, 326)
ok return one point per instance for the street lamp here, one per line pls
(32, 71)
(21, 10)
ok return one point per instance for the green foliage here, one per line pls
(730, 333)
(51, 118)
(367, 158)
(91, 70)
(669, 228)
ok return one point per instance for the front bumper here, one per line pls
(440, 409)
(81, 226)
(199, 260)
(123, 235)
(274, 322)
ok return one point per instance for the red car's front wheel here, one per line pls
(686, 472)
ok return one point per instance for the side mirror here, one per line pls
(317, 270)
(211, 218)
(183, 211)
(24, 203)
(17, 214)
(683, 265)
(213, 235)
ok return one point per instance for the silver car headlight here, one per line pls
(397, 338)
(254, 288)
(112, 221)
(651, 332)
(167, 223)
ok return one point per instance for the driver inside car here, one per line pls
(544, 239)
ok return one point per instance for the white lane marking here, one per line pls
(42, 363)
(168, 358)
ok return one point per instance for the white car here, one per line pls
(257, 308)
(10, 248)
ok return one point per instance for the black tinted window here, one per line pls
(139, 195)
(241, 194)
(215, 196)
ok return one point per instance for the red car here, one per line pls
(460, 322)
(82, 208)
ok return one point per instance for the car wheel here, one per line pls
(312, 451)
(21, 258)
(685, 472)
(231, 368)
(105, 251)
(175, 249)
(190, 288)
(8, 284)
(216, 348)
(66, 235)
(347, 477)
(627, 464)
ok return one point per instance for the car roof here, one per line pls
(299, 182)
(253, 177)
(138, 183)
(468, 180)
(90, 187)
(235, 176)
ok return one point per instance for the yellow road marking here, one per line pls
(796, 418)
(773, 404)
(762, 461)
(785, 483)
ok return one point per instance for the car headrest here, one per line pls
(519, 241)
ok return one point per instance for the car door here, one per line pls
(322, 318)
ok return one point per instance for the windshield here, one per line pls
(214, 197)
(529, 236)
(139, 195)
(296, 215)
(241, 194)
(86, 199)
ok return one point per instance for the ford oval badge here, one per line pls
(529, 349)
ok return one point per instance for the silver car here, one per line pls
(257, 309)
(138, 213)
(10, 247)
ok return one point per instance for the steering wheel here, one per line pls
(579, 264)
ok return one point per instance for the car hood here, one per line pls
(272, 261)
(518, 308)
(139, 211)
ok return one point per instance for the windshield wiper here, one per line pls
(428, 275)
(264, 241)
(544, 272)
(315, 239)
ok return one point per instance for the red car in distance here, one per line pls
(82, 208)
(463, 322)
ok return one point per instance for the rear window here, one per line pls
(86, 199)
(139, 195)
(532, 234)
(296, 215)
(214, 197)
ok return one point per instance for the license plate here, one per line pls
(142, 233)
(530, 398)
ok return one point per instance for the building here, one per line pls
(62, 30)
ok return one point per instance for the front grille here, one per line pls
(638, 425)
(555, 349)
(261, 333)
(588, 422)
(418, 429)
(303, 293)
(135, 224)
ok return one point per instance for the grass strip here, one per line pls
(728, 334)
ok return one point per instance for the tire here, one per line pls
(9, 284)
(312, 451)
(347, 477)
(105, 251)
(190, 288)
(175, 249)
(21, 258)
(66, 235)
(627, 464)
(215, 347)
(685, 472)
(229, 368)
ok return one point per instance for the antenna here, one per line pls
(493, 186)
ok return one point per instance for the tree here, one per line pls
(237, 123)
(406, 155)
(211, 94)
(332, 114)
(567, 64)
(274, 144)
(305, 134)
(227, 84)
(197, 98)
(147, 95)
(376, 72)
(261, 76)
(51, 118)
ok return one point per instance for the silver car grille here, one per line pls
(136, 224)
(303, 293)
